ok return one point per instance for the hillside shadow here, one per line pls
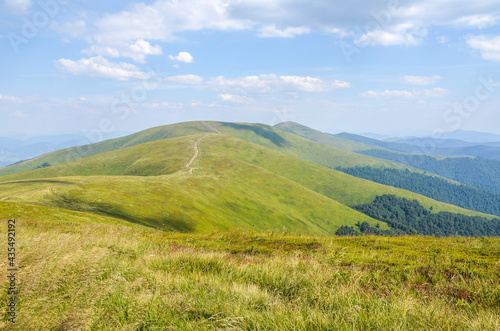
(37, 181)
(115, 211)
(260, 131)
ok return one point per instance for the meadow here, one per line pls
(103, 274)
(127, 238)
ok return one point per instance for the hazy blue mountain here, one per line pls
(21, 147)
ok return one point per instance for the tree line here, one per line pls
(406, 216)
(465, 196)
(478, 172)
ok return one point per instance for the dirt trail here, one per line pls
(196, 152)
(210, 127)
(45, 188)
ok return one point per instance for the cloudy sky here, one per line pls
(73, 66)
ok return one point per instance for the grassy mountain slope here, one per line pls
(69, 154)
(260, 134)
(394, 146)
(323, 138)
(223, 193)
(234, 184)
(299, 147)
(78, 276)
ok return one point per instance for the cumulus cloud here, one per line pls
(404, 34)
(183, 57)
(10, 98)
(101, 67)
(274, 83)
(387, 93)
(136, 50)
(271, 31)
(421, 80)
(405, 94)
(236, 98)
(20, 114)
(18, 7)
(164, 18)
(184, 80)
(489, 46)
(478, 21)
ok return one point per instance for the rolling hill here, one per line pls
(235, 184)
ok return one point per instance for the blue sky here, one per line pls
(392, 67)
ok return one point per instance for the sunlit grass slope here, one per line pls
(235, 184)
(260, 134)
(68, 154)
(323, 138)
(105, 276)
(299, 147)
(222, 193)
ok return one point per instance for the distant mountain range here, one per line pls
(16, 148)
(439, 147)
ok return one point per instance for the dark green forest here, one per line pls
(478, 172)
(440, 189)
(410, 217)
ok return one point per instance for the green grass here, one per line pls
(70, 154)
(17, 187)
(106, 276)
(235, 184)
(260, 134)
(323, 138)
(299, 147)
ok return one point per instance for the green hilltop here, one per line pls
(234, 184)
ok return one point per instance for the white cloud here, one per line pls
(10, 98)
(421, 80)
(236, 98)
(435, 92)
(183, 57)
(489, 46)
(184, 80)
(271, 31)
(387, 93)
(274, 83)
(478, 21)
(170, 105)
(404, 34)
(20, 114)
(442, 39)
(101, 67)
(135, 50)
(18, 7)
(405, 94)
(164, 18)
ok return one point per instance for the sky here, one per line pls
(396, 67)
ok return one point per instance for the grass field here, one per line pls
(235, 184)
(99, 274)
(128, 239)
(259, 134)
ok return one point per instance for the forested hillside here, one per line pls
(477, 172)
(410, 217)
(465, 196)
